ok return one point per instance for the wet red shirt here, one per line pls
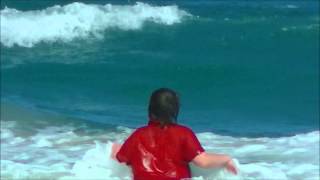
(156, 153)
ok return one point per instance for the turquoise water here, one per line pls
(241, 68)
(77, 76)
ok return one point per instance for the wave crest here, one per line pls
(79, 20)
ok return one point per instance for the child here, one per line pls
(163, 149)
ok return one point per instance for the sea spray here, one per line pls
(97, 163)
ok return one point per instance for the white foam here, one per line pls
(308, 27)
(58, 152)
(6, 133)
(96, 163)
(79, 20)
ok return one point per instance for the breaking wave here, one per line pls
(79, 20)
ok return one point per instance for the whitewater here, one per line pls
(79, 20)
(45, 146)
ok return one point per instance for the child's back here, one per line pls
(154, 152)
(162, 150)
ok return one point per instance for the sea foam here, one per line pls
(74, 152)
(79, 20)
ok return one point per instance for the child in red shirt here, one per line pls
(163, 149)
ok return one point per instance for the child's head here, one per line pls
(164, 106)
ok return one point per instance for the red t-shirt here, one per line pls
(156, 153)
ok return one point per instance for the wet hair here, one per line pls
(164, 106)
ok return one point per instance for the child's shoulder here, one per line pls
(183, 128)
(140, 130)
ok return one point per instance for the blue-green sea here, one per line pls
(242, 69)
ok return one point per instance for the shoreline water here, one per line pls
(56, 148)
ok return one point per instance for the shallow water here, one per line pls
(48, 149)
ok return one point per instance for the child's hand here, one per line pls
(115, 149)
(231, 167)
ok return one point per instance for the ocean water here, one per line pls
(76, 76)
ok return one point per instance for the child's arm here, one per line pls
(209, 160)
(115, 149)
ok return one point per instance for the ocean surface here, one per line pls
(77, 76)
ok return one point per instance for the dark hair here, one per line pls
(164, 106)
